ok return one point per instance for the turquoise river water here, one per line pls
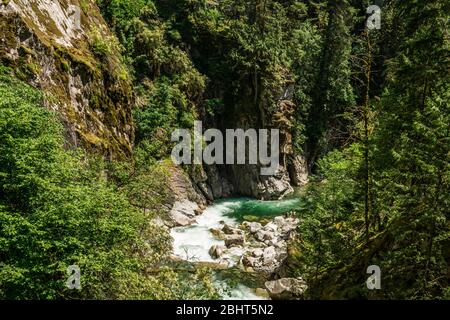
(192, 243)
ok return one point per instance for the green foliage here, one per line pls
(165, 110)
(305, 47)
(332, 93)
(58, 208)
(408, 151)
(331, 213)
(412, 164)
(254, 51)
(372, 117)
(108, 50)
(380, 190)
(167, 84)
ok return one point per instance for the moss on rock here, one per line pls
(92, 93)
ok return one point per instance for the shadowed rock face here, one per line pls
(246, 179)
(260, 105)
(49, 44)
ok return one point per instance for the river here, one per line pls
(192, 243)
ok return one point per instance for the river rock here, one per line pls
(280, 244)
(249, 261)
(234, 239)
(254, 227)
(257, 252)
(263, 235)
(183, 213)
(286, 288)
(217, 233)
(234, 255)
(230, 230)
(272, 242)
(286, 225)
(186, 207)
(265, 247)
(271, 227)
(279, 221)
(236, 251)
(269, 255)
(179, 219)
(217, 251)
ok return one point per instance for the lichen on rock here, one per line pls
(48, 44)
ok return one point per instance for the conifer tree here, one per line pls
(333, 93)
(414, 147)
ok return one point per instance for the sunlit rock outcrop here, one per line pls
(65, 49)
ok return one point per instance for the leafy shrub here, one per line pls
(57, 209)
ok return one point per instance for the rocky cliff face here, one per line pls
(187, 201)
(272, 110)
(64, 48)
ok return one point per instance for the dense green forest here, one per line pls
(57, 207)
(371, 116)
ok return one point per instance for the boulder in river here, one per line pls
(271, 227)
(186, 207)
(263, 235)
(183, 213)
(217, 233)
(249, 261)
(286, 288)
(254, 227)
(234, 239)
(280, 244)
(217, 251)
(227, 229)
(257, 252)
(179, 219)
(269, 255)
(285, 225)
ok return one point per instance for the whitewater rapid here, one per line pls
(192, 243)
